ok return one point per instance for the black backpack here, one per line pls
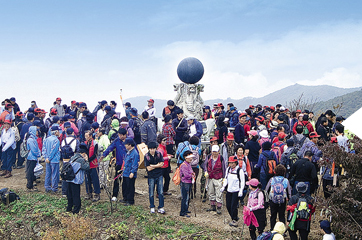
(67, 151)
(8, 196)
(114, 135)
(67, 172)
(137, 126)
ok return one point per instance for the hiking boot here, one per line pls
(161, 210)
(218, 211)
(233, 223)
(20, 167)
(89, 196)
(114, 199)
(4, 173)
(213, 208)
(167, 193)
(96, 198)
(32, 189)
(152, 210)
(8, 175)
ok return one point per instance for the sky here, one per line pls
(88, 50)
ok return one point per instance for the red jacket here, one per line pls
(303, 123)
(216, 172)
(163, 151)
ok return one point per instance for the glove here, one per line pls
(222, 189)
(206, 175)
(240, 194)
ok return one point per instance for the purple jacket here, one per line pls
(186, 172)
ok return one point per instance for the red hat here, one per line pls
(37, 110)
(220, 105)
(58, 99)
(253, 133)
(313, 135)
(8, 105)
(43, 111)
(299, 111)
(242, 115)
(19, 114)
(232, 159)
(73, 102)
(151, 100)
(213, 139)
(334, 140)
(7, 121)
(253, 182)
(230, 137)
(281, 135)
(260, 119)
(251, 106)
(272, 107)
(53, 111)
(265, 107)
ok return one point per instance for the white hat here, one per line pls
(226, 119)
(264, 134)
(215, 148)
(190, 117)
(282, 108)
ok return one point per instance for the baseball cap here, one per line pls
(55, 128)
(190, 117)
(67, 124)
(19, 114)
(313, 135)
(108, 108)
(253, 132)
(282, 108)
(298, 111)
(326, 226)
(340, 118)
(232, 159)
(53, 111)
(69, 130)
(253, 182)
(58, 99)
(230, 137)
(213, 139)
(251, 107)
(281, 135)
(260, 119)
(215, 148)
(242, 114)
(8, 105)
(151, 100)
(12, 99)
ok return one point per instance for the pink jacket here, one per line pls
(255, 201)
(249, 217)
(186, 172)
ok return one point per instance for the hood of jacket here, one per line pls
(115, 123)
(280, 228)
(32, 132)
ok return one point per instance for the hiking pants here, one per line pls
(302, 233)
(51, 177)
(73, 196)
(232, 199)
(277, 209)
(8, 159)
(166, 176)
(91, 178)
(117, 182)
(185, 197)
(260, 215)
(30, 165)
(214, 191)
(20, 158)
(264, 179)
(128, 189)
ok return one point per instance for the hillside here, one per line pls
(319, 93)
(351, 102)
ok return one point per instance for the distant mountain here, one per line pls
(321, 93)
(349, 103)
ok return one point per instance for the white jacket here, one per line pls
(232, 180)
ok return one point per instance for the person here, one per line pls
(19, 123)
(121, 151)
(234, 116)
(72, 107)
(311, 146)
(194, 126)
(278, 231)
(74, 144)
(103, 144)
(325, 226)
(101, 112)
(207, 113)
(179, 124)
(260, 124)
(135, 123)
(256, 205)
(8, 145)
(127, 106)
(303, 203)
(166, 168)
(299, 138)
(59, 107)
(124, 124)
(221, 131)
(91, 175)
(252, 150)
(6, 114)
(244, 164)
(280, 192)
(214, 173)
(34, 154)
(171, 109)
(130, 171)
(306, 125)
(239, 131)
(51, 154)
(264, 137)
(16, 107)
(263, 163)
(150, 108)
(169, 134)
(113, 105)
(323, 130)
(235, 183)
(304, 171)
(107, 119)
(113, 132)
(228, 149)
(80, 164)
(186, 174)
(148, 129)
(341, 139)
(154, 163)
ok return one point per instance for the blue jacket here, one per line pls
(263, 159)
(199, 130)
(79, 165)
(32, 144)
(25, 129)
(239, 133)
(121, 151)
(51, 149)
(180, 130)
(131, 163)
(234, 119)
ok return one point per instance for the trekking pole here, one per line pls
(205, 186)
(222, 208)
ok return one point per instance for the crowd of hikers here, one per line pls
(264, 157)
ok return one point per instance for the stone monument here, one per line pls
(190, 71)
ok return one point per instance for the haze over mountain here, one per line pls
(283, 96)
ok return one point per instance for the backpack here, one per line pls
(106, 124)
(303, 211)
(137, 126)
(24, 151)
(237, 174)
(278, 190)
(266, 198)
(196, 157)
(114, 135)
(266, 236)
(278, 150)
(217, 133)
(16, 132)
(67, 172)
(305, 130)
(298, 145)
(66, 151)
(176, 179)
(8, 196)
(270, 164)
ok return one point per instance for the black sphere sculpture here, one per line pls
(190, 70)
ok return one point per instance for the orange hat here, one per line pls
(232, 159)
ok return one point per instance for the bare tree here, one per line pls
(302, 103)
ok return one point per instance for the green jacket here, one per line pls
(115, 126)
(104, 142)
